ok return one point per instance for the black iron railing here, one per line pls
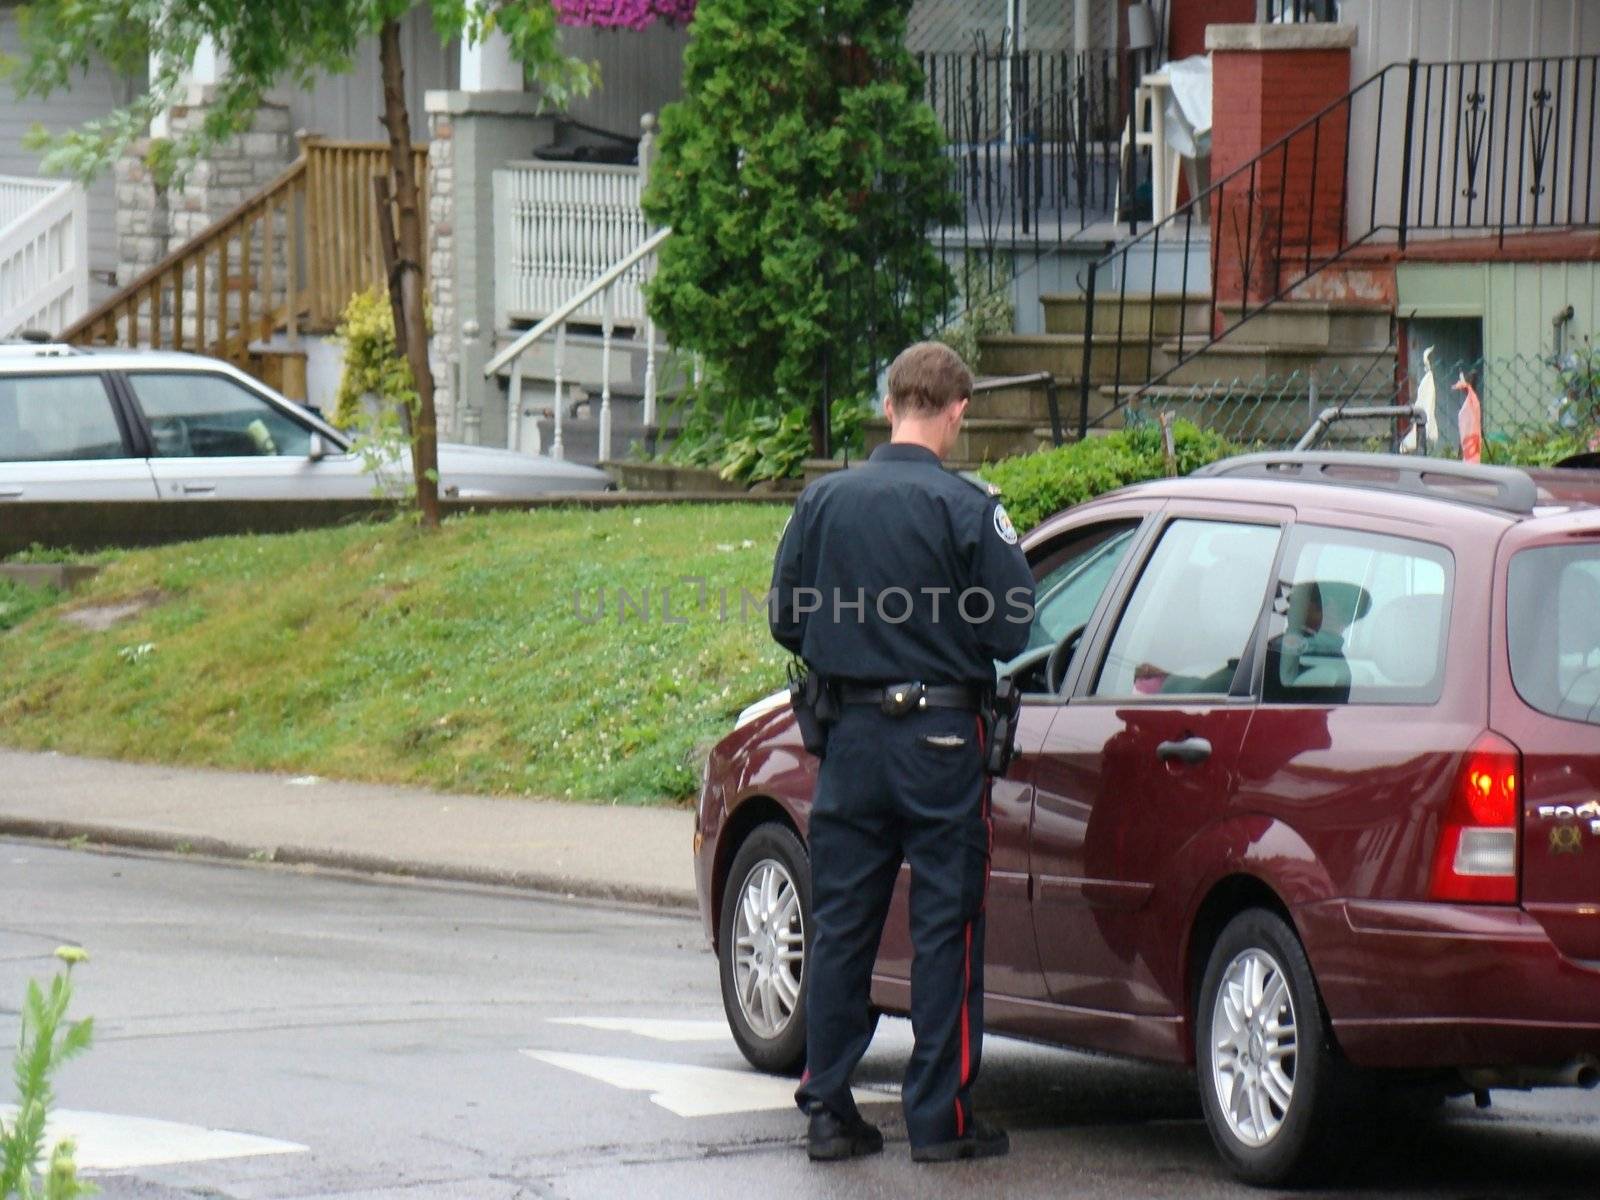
(1494, 147)
(1031, 136)
(1294, 11)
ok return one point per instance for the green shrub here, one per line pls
(987, 308)
(1037, 485)
(750, 446)
(47, 1042)
(800, 173)
(1534, 448)
(372, 364)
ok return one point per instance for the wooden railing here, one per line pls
(288, 258)
(44, 254)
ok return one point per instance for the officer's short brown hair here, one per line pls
(927, 378)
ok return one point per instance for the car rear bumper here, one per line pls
(1417, 985)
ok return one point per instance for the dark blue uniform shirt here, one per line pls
(901, 571)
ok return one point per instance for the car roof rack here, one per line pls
(1505, 489)
(29, 347)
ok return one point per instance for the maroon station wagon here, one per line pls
(1307, 792)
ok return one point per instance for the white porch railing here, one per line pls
(557, 226)
(621, 280)
(44, 254)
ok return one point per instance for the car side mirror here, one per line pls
(318, 449)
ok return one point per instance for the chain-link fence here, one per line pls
(1528, 406)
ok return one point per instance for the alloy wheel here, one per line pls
(1254, 1045)
(769, 948)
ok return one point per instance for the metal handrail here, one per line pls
(1293, 261)
(601, 286)
(585, 294)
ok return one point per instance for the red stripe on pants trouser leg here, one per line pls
(966, 982)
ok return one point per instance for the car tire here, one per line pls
(1273, 1085)
(764, 933)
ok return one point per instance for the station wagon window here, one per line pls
(57, 418)
(195, 415)
(1191, 616)
(1357, 618)
(1553, 615)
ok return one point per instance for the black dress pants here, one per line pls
(895, 789)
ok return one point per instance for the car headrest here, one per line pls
(1403, 639)
(1578, 610)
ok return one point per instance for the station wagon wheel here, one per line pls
(1271, 1079)
(761, 948)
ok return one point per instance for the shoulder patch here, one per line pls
(1003, 525)
(977, 481)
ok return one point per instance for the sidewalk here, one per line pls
(636, 854)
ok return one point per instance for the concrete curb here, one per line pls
(367, 864)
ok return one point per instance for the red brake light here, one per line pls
(1476, 859)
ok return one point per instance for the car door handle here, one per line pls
(10, 493)
(1190, 750)
(198, 489)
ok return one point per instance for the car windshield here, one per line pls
(1553, 616)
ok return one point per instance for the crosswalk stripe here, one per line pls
(661, 1029)
(691, 1091)
(112, 1142)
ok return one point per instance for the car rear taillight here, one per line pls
(1477, 856)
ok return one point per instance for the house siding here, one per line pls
(92, 95)
(1516, 300)
(351, 105)
(640, 72)
(1393, 31)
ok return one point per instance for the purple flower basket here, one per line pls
(623, 14)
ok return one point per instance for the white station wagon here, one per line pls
(156, 425)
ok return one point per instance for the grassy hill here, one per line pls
(497, 656)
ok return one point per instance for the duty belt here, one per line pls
(897, 699)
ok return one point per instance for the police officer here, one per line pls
(900, 583)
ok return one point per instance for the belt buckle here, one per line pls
(901, 698)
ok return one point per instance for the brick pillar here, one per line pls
(1266, 81)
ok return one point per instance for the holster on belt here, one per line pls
(999, 717)
(815, 707)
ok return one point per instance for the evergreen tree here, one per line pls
(801, 174)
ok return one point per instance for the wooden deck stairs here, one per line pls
(282, 264)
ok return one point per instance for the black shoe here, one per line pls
(831, 1138)
(984, 1141)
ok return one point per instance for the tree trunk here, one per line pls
(405, 291)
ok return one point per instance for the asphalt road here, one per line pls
(269, 1033)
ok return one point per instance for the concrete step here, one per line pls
(814, 468)
(1314, 323)
(1017, 399)
(982, 440)
(1139, 314)
(1232, 360)
(1061, 354)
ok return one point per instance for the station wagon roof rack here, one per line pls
(1504, 489)
(28, 347)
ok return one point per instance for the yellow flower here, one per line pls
(72, 955)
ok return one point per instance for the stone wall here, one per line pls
(152, 221)
(442, 271)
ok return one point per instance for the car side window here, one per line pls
(1191, 615)
(196, 415)
(57, 418)
(1357, 618)
(1071, 576)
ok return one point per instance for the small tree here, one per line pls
(800, 174)
(267, 43)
